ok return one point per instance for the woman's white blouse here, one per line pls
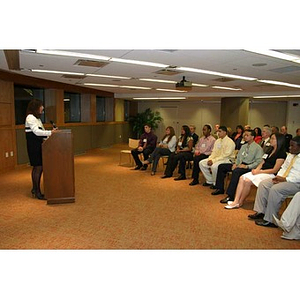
(32, 124)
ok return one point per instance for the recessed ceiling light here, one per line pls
(108, 76)
(226, 88)
(56, 72)
(168, 90)
(280, 83)
(72, 54)
(157, 80)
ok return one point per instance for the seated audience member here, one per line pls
(223, 152)
(275, 129)
(166, 146)
(237, 137)
(269, 166)
(248, 158)
(287, 136)
(298, 132)
(247, 127)
(265, 142)
(194, 135)
(183, 153)
(215, 134)
(202, 150)
(147, 144)
(290, 220)
(273, 191)
(258, 135)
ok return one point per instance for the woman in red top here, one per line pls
(258, 137)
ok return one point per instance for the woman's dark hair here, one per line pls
(33, 108)
(258, 131)
(186, 135)
(239, 127)
(280, 142)
(172, 133)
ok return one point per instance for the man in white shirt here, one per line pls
(223, 152)
(272, 192)
(290, 220)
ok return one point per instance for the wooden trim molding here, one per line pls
(43, 83)
(12, 59)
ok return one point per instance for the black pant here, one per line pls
(146, 152)
(173, 159)
(196, 168)
(223, 169)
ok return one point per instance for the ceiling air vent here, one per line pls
(91, 63)
(169, 71)
(224, 79)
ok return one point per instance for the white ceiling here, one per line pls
(237, 62)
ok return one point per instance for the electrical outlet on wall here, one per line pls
(6, 154)
(11, 153)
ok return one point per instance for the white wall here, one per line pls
(293, 117)
(267, 112)
(199, 113)
(181, 113)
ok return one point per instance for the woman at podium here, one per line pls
(35, 135)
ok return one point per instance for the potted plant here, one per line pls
(146, 117)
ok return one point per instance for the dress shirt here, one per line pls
(205, 145)
(223, 149)
(294, 174)
(149, 138)
(250, 154)
(171, 144)
(35, 125)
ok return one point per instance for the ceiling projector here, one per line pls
(183, 84)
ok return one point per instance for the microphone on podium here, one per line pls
(53, 124)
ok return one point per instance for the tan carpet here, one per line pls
(119, 208)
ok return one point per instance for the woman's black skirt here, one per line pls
(34, 149)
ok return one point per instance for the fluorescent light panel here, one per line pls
(108, 76)
(73, 54)
(119, 86)
(138, 62)
(56, 72)
(280, 83)
(276, 54)
(168, 90)
(282, 96)
(214, 73)
(226, 88)
(157, 80)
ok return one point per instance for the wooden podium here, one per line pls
(58, 168)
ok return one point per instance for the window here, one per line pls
(100, 109)
(104, 109)
(23, 95)
(72, 107)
